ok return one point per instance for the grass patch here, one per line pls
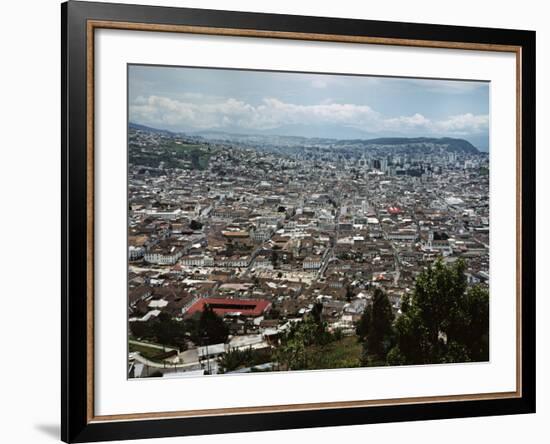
(344, 353)
(182, 147)
(147, 352)
(173, 155)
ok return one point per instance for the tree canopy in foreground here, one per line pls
(443, 320)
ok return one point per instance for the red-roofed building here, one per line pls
(244, 307)
(394, 210)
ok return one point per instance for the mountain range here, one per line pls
(452, 144)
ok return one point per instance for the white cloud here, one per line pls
(407, 122)
(272, 113)
(464, 123)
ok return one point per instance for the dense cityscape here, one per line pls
(253, 253)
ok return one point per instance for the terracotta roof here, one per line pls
(247, 307)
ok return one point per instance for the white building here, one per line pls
(193, 261)
(159, 257)
(406, 236)
(135, 253)
(312, 263)
(167, 215)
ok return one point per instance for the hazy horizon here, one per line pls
(191, 100)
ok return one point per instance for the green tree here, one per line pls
(168, 331)
(395, 357)
(377, 323)
(141, 330)
(292, 353)
(163, 329)
(438, 293)
(231, 360)
(211, 328)
(195, 225)
(443, 321)
(362, 327)
(322, 335)
(349, 293)
(317, 313)
(411, 337)
(249, 357)
(471, 326)
(274, 313)
(274, 259)
(380, 332)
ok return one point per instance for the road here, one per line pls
(152, 364)
(330, 254)
(252, 257)
(155, 346)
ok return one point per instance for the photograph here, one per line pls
(276, 221)
(286, 221)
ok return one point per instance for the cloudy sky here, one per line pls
(339, 106)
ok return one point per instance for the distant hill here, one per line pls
(452, 144)
(458, 145)
(137, 126)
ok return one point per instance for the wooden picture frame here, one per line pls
(79, 22)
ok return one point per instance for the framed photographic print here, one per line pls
(275, 221)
